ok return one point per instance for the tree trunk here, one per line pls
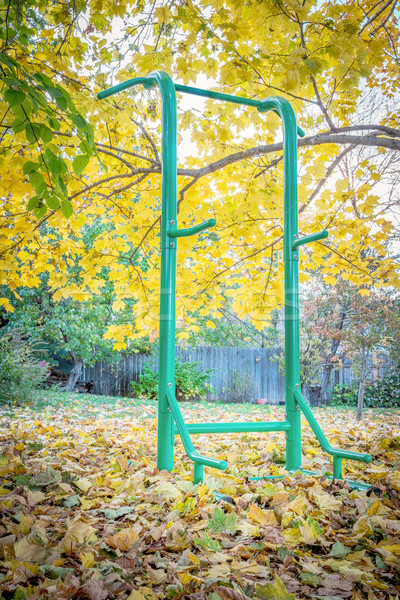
(313, 394)
(360, 401)
(363, 375)
(75, 374)
(328, 361)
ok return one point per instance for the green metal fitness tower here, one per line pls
(170, 420)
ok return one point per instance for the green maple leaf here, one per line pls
(274, 591)
(339, 550)
(222, 521)
(207, 543)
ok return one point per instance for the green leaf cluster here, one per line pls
(191, 381)
(39, 106)
(22, 372)
(383, 393)
(223, 521)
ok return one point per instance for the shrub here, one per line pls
(191, 382)
(21, 371)
(382, 393)
(147, 386)
(242, 390)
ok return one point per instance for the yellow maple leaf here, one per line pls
(274, 591)
(123, 540)
(7, 304)
(87, 559)
(263, 517)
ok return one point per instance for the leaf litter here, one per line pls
(87, 515)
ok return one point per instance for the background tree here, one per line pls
(227, 329)
(324, 314)
(374, 326)
(342, 321)
(73, 330)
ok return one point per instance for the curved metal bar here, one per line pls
(187, 442)
(176, 233)
(115, 89)
(228, 98)
(314, 237)
(319, 434)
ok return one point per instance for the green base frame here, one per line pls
(170, 420)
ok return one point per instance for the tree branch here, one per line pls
(376, 15)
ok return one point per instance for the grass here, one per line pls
(83, 406)
(86, 405)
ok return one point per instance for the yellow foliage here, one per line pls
(323, 72)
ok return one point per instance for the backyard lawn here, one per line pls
(86, 514)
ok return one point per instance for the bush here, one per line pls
(191, 382)
(242, 390)
(384, 393)
(21, 371)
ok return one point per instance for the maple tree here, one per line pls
(63, 150)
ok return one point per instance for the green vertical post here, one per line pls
(165, 438)
(291, 284)
(198, 473)
(165, 443)
(337, 467)
(292, 326)
(291, 268)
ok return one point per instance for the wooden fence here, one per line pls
(343, 374)
(237, 374)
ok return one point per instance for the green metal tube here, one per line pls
(319, 434)
(291, 283)
(310, 238)
(194, 91)
(337, 467)
(121, 87)
(187, 442)
(268, 477)
(165, 448)
(198, 474)
(236, 427)
(175, 233)
(350, 455)
(228, 98)
(355, 485)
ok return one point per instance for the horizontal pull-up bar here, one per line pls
(241, 427)
(260, 104)
(149, 82)
(120, 87)
(185, 89)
